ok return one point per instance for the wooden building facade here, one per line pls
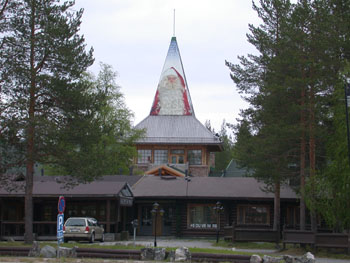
(190, 210)
(188, 205)
(109, 200)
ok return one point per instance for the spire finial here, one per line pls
(174, 24)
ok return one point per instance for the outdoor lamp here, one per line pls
(218, 208)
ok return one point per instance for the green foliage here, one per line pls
(265, 134)
(290, 87)
(108, 142)
(42, 58)
(50, 113)
(331, 186)
(223, 158)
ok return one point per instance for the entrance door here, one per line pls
(158, 224)
(161, 225)
(146, 225)
(177, 156)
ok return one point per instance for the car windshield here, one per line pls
(75, 222)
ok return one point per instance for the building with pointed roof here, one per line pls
(174, 136)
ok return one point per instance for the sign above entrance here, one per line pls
(125, 201)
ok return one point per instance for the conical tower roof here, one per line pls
(172, 95)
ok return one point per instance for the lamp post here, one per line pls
(188, 179)
(155, 211)
(218, 208)
(134, 224)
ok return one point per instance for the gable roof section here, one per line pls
(165, 170)
(233, 170)
(206, 188)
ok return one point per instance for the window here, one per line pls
(293, 215)
(144, 156)
(250, 214)
(177, 156)
(194, 157)
(201, 216)
(75, 222)
(146, 216)
(160, 156)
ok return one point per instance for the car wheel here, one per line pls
(92, 238)
(103, 238)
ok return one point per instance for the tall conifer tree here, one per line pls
(42, 59)
(264, 141)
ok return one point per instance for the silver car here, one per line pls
(82, 228)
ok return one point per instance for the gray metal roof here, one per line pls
(46, 186)
(206, 187)
(171, 129)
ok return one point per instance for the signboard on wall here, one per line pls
(125, 201)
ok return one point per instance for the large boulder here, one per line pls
(182, 254)
(147, 253)
(48, 252)
(67, 252)
(289, 259)
(307, 258)
(171, 256)
(35, 250)
(255, 259)
(159, 254)
(268, 259)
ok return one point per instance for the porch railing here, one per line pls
(233, 233)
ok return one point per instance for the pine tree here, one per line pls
(331, 185)
(44, 57)
(264, 141)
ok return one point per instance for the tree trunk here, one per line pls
(302, 160)
(28, 204)
(312, 157)
(277, 207)
(30, 139)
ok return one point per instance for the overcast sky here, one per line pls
(134, 36)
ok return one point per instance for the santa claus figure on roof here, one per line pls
(171, 96)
